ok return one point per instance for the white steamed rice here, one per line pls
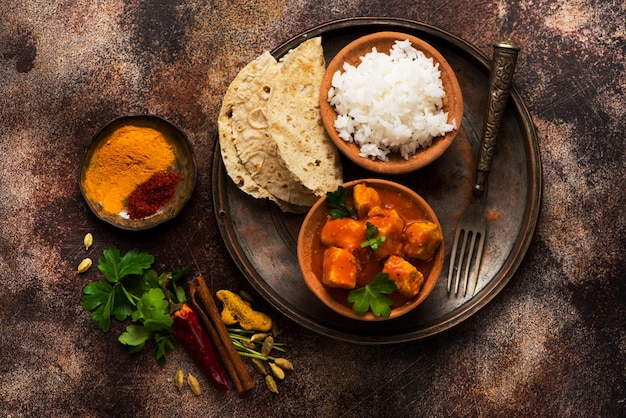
(390, 103)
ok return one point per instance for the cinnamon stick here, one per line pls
(202, 298)
(217, 343)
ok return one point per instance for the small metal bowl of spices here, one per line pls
(138, 172)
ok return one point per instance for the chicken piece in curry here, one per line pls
(390, 225)
(407, 277)
(339, 269)
(365, 198)
(422, 240)
(346, 233)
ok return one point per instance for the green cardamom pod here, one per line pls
(179, 379)
(84, 265)
(259, 366)
(268, 344)
(277, 371)
(258, 337)
(194, 385)
(246, 296)
(271, 383)
(284, 364)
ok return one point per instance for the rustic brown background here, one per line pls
(553, 343)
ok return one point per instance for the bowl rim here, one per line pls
(181, 141)
(315, 285)
(396, 165)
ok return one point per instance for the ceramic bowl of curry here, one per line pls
(138, 172)
(378, 232)
(394, 99)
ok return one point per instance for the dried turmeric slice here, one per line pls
(237, 310)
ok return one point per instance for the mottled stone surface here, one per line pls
(553, 343)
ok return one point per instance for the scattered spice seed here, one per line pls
(248, 344)
(258, 365)
(88, 240)
(271, 383)
(284, 364)
(84, 265)
(268, 344)
(277, 371)
(246, 296)
(258, 337)
(275, 330)
(179, 379)
(193, 383)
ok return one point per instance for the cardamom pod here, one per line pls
(259, 366)
(268, 344)
(246, 296)
(277, 371)
(284, 364)
(193, 383)
(275, 330)
(248, 344)
(179, 379)
(271, 383)
(258, 337)
(88, 240)
(84, 265)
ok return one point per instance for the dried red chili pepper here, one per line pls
(153, 194)
(188, 331)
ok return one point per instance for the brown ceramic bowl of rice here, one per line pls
(393, 110)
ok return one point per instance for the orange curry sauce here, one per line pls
(367, 265)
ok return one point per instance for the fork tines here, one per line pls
(466, 258)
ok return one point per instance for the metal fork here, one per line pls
(472, 227)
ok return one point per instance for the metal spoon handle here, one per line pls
(503, 66)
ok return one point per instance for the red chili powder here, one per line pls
(148, 197)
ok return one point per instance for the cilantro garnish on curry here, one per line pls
(373, 296)
(338, 206)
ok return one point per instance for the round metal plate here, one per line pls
(262, 240)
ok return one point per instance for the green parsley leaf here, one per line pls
(115, 268)
(132, 290)
(372, 296)
(164, 343)
(124, 302)
(98, 297)
(138, 285)
(135, 337)
(153, 311)
(373, 240)
(178, 290)
(337, 202)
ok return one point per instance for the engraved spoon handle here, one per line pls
(503, 66)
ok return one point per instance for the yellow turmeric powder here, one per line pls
(129, 157)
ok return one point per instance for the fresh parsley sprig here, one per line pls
(132, 290)
(373, 240)
(372, 296)
(337, 202)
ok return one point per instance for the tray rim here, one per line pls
(529, 224)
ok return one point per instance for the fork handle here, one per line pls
(503, 65)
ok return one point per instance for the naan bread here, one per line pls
(255, 141)
(296, 123)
